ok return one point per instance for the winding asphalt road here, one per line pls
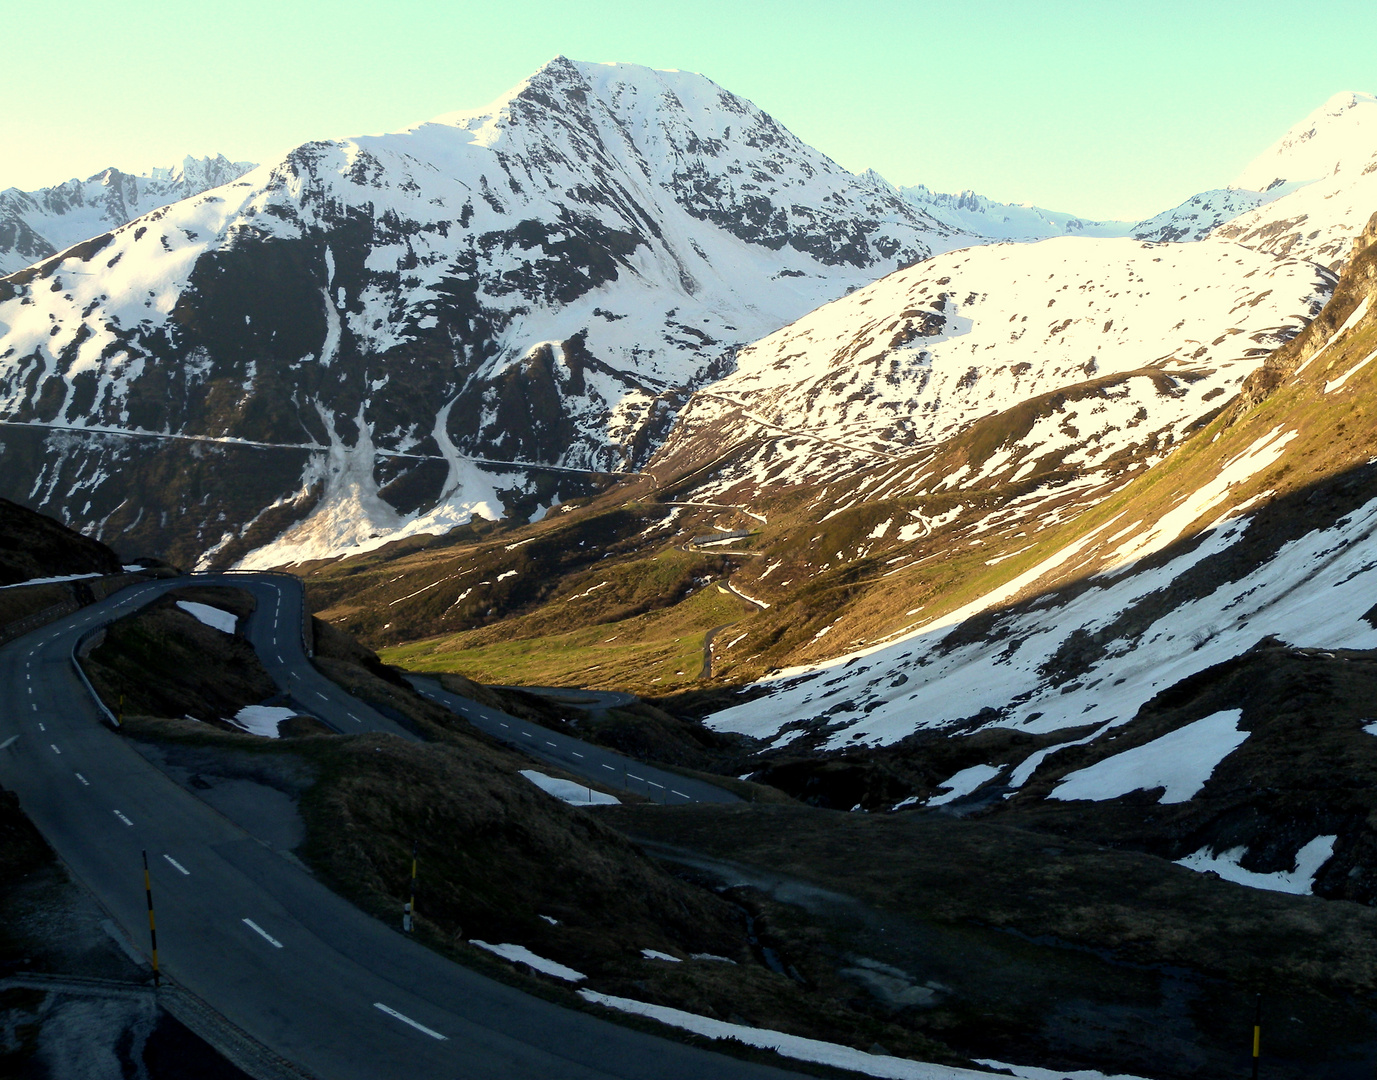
(253, 934)
(605, 767)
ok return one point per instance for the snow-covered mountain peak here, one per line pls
(1319, 181)
(1340, 133)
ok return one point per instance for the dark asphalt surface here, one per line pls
(252, 933)
(607, 767)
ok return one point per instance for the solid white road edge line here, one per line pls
(178, 865)
(263, 933)
(408, 1020)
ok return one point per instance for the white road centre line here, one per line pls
(408, 1020)
(35, 707)
(178, 865)
(42, 726)
(320, 695)
(84, 781)
(55, 749)
(503, 725)
(575, 753)
(549, 743)
(681, 795)
(263, 933)
(527, 735)
(123, 818)
(353, 718)
(652, 783)
(609, 768)
(633, 776)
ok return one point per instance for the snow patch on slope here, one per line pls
(1180, 763)
(213, 617)
(1299, 881)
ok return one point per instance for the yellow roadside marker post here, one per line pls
(1257, 1034)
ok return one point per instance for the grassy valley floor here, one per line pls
(654, 653)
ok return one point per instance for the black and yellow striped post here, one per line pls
(1257, 1034)
(152, 926)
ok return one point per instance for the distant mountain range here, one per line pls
(36, 225)
(490, 312)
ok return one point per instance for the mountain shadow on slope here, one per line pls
(35, 546)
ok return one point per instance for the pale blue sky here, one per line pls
(1118, 108)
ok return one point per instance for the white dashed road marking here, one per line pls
(178, 865)
(408, 1020)
(123, 818)
(84, 781)
(263, 933)
(55, 749)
